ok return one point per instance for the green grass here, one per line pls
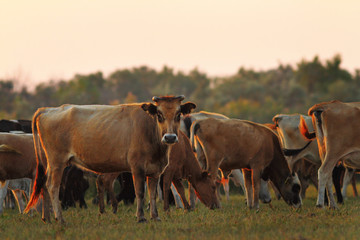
(233, 221)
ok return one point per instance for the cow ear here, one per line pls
(204, 174)
(187, 107)
(149, 108)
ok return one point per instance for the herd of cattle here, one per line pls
(139, 143)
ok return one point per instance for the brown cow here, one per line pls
(104, 139)
(17, 156)
(337, 129)
(234, 143)
(182, 165)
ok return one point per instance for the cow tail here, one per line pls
(194, 128)
(304, 130)
(40, 178)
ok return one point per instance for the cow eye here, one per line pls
(177, 118)
(160, 117)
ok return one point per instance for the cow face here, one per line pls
(167, 111)
(205, 190)
(290, 191)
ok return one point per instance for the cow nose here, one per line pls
(170, 138)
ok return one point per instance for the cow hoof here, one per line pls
(188, 210)
(142, 220)
(319, 206)
(156, 219)
(45, 220)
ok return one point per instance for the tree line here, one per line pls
(248, 94)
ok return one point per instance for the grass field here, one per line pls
(233, 221)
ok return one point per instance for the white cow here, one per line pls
(18, 187)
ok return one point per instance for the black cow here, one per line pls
(15, 125)
(73, 187)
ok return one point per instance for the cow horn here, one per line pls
(155, 99)
(181, 97)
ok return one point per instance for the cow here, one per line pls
(106, 138)
(253, 147)
(17, 156)
(337, 131)
(185, 126)
(15, 125)
(73, 187)
(18, 187)
(296, 148)
(184, 165)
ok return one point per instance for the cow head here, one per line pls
(167, 111)
(205, 190)
(290, 190)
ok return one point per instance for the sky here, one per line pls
(42, 40)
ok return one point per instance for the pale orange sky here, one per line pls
(42, 39)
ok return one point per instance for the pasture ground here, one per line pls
(233, 221)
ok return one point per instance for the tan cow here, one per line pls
(104, 139)
(243, 144)
(17, 156)
(337, 130)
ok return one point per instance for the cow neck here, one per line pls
(292, 152)
(192, 168)
(278, 169)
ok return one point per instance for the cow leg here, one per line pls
(166, 190)
(18, 198)
(192, 197)
(336, 177)
(249, 188)
(349, 173)
(152, 183)
(353, 183)
(46, 206)
(109, 187)
(329, 188)
(139, 179)
(256, 187)
(100, 191)
(3, 192)
(180, 189)
(53, 185)
(325, 175)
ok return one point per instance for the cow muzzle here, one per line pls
(170, 138)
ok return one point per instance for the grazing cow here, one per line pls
(18, 187)
(73, 187)
(185, 126)
(296, 148)
(105, 139)
(337, 131)
(253, 147)
(17, 156)
(183, 165)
